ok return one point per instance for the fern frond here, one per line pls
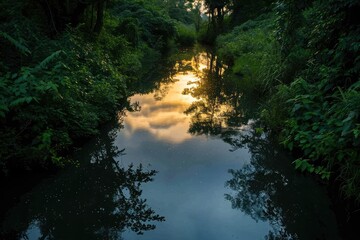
(21, 47)
(43, 64)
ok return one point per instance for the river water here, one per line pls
(186, 161)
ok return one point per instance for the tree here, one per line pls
(216, 10)
(70, 12)
(99, 16)
(247, 9)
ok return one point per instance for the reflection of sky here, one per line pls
(33, 231)
(163, 119)
(189, 188)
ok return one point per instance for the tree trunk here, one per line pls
(77, 13)
(99, 16)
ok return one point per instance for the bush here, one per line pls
(45, 108)
(207, 34)
(186, 34)
(320, 45)
(253, 53)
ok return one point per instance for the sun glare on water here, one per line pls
(164, 118)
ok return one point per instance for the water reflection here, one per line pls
(164, 119)
(268, 190)
(220, 102)
(101, 198)
(197, 85)
(97, 200)
(162, 110)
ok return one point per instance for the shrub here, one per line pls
(186, 34)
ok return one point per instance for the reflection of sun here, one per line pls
(185, 81)
(203, 62)
(164, 119)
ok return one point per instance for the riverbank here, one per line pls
(307, 73)
(183, 129)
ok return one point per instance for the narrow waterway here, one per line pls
(187, 162)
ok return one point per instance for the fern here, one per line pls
(47, 60)
(305, 165)
(21, 47)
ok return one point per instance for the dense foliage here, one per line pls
(65, 67)
(323, 98)
(304, 55)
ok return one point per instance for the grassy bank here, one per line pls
(303, 58)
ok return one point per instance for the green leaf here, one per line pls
(21, 47)
(3, 107)
(296, 107)
(47, 60)
(20, 101)
(290, 146)
(259, 130)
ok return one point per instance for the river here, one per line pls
(187, 160)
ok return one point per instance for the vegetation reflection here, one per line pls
(267, 190)
(97, 200)
(220, 99)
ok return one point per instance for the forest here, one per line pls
(67, 68)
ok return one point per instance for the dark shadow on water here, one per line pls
(98, 199)
(267, 189)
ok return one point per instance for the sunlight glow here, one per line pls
(164, 119)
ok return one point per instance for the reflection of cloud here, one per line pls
(162, 113)
(164, 119)
(164, 107)
(163, 123)
(247, 127)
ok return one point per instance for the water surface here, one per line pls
(217, 175)
(218, 178)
